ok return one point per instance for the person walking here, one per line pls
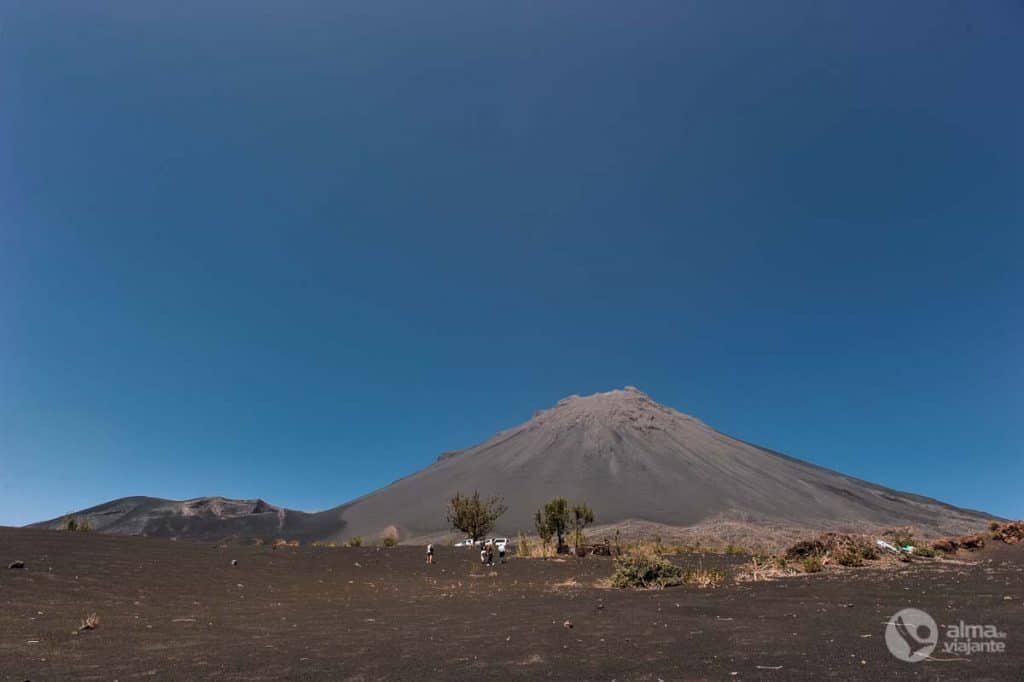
(430, 553)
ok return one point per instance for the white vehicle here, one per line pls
(468, 542)
(500, 543)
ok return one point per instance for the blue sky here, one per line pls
(297, 250)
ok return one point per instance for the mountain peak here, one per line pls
(628, 406)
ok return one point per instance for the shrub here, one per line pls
(847, 550)
(734, 550)
(849, 557)
(355, 541)
(321, 543)
(73, 525)
(901, 537)
(926, 552)
(390, 541)
(870, 552)
(812, 565)
(806, 549)
(645, 571)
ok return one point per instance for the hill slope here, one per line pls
(627, 456)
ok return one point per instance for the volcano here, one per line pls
(629, 458)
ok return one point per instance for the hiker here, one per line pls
(490, 554)
(430, 553)
(483, 556)
(501, 553)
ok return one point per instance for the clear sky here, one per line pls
(296, 250)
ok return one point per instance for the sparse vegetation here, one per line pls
(582, 516)
(736, 550)
(73, 525)
(849, 557)
(704, 577)
(901, 537)
(473, 516)
(544, 531)
(389, 541)
(843, 550)
(523, 546)
(90, 622)
(765, 568)
(926, 552)
(552, 521)
(281, 543)
(1009, 533)
(355, 541)
(645, 571)
(322, 543)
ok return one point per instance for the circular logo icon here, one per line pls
(911, 635)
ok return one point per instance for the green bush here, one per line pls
(926, 552)
(645, 571)
(390, 541)
(355, 541)
(812, 564)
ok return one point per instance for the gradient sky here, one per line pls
(296, 250)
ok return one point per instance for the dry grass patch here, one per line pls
(765, 569)
(90, 622)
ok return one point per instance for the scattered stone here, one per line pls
(234, 562)
(567, 625)
(16, 564)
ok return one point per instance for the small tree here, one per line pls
(473, 516)
(544, 531)
(582, 516)
(555, 519)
